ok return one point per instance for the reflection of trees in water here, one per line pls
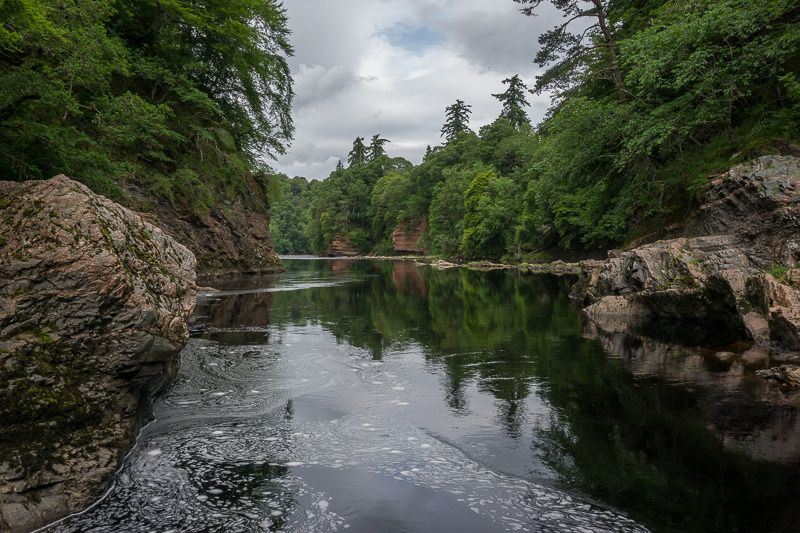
(641, 445)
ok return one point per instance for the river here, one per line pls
(377, 396)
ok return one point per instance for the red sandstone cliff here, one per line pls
(406, 237)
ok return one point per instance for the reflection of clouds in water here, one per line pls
(221, 456)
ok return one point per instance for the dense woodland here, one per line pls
(650, 98)
(183, 101)
(146, 100)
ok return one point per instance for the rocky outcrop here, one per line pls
(407, 236)
(341, 247)
(713, 286)
(230, 239)
(93, 310)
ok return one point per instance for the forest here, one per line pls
(146, 101)
(650, 98)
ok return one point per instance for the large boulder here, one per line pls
(729, 279)
(93, 310)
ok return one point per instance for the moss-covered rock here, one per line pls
(93, 309)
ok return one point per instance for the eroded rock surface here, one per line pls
(407, 236)
(93, 310)
(341, 247)
(714, 286)
(230, 239)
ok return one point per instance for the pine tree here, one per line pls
(513, 100)
(570, 54)
(358, 155)
(428, 153)
(339, 165)
(456, 120)
(376, 147)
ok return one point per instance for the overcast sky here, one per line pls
(392, 66)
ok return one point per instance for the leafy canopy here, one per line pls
(178, 99)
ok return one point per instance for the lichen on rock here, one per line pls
(93, 310)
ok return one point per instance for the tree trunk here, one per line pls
(616, 71)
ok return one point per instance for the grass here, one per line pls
(779, 271)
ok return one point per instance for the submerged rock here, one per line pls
(93, 310)
(712, 286)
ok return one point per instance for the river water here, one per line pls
(370, 396)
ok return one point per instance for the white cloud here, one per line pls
(392, 66)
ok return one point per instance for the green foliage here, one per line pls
(708, 80)
(490, 209)
(446, 215)
(288, 216)
(388, 203)
(342, 204)
(779, 271)
(514, 102)
(377, 147)
(651, 99)
(359, 154)
(456, 121)
(589, 54)
(175, 99)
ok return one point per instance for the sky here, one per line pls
(363, 67)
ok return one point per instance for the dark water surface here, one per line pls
(368, 396)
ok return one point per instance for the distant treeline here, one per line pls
(650, 98)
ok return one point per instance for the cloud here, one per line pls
(392, 66)
(315, 83)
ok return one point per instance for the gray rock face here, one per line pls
(93, 309)
(712, 287)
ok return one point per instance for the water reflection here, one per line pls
(383, 396)
(659, 432)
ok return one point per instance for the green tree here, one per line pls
(178, 100)
(358, 155)
(573, 56)
(514, 102)
(377, 147)
(456, 120)
(446, 215)
(388, 206)
(491, 206)
(289, 216)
